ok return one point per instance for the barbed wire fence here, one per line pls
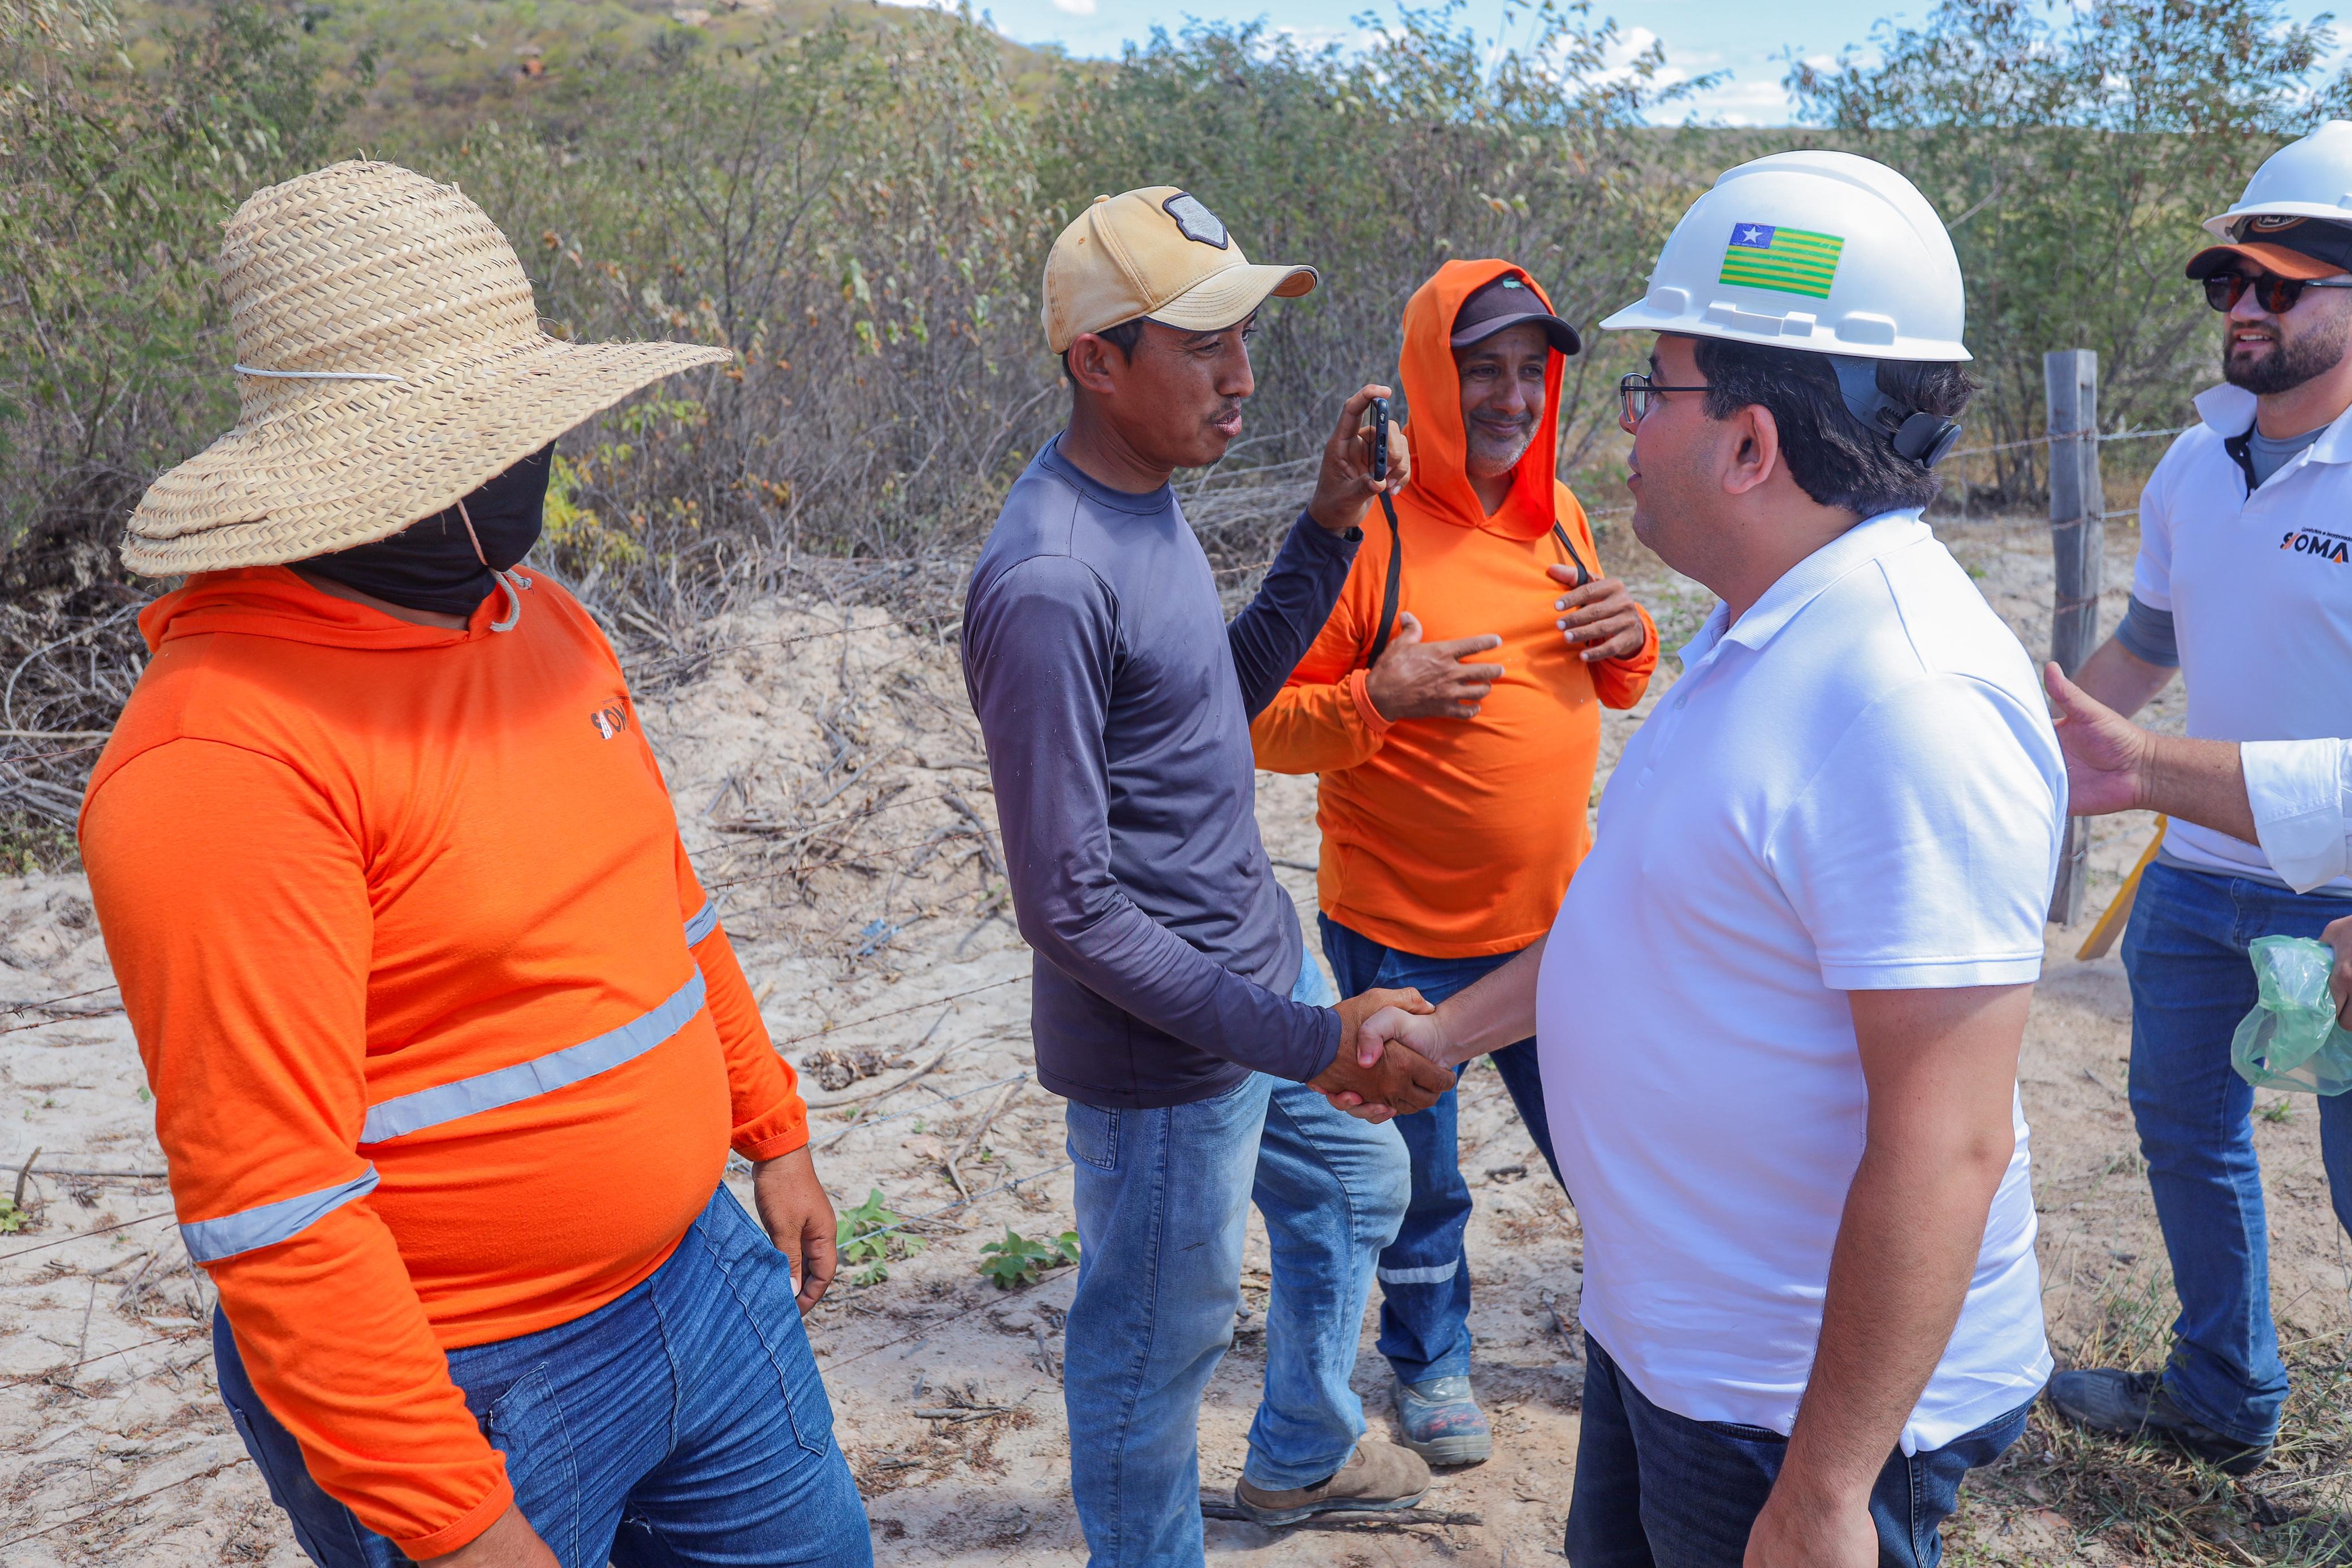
(1224, 508)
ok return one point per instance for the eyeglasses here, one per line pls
(1639, 394)
(2275, 293)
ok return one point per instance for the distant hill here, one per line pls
(439, 64)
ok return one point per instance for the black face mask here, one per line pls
(431, 564)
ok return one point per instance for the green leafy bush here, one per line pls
(1018, 1260)
(867, 1241)
(858, 203)
(2073, 151)
(121, 155)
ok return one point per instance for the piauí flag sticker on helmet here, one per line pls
(1794, 261)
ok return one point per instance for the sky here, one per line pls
(1749, 39)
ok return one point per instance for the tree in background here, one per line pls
(858, 218)
(858, 202)
(120, 159)
(2073, 150)
(1379, 164)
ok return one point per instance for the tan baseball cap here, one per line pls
(1155, 252)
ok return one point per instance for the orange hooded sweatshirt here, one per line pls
(446, 1041)
(1455, 837)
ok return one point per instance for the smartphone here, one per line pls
(1378, 415)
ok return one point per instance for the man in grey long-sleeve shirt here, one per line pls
(1117, 709)
(1173, 1004)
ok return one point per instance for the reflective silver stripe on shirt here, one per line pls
(540, 1075)
(705, 921)
(210, 1240)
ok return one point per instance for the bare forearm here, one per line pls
(2120, 678)
(1941, 1068)
(2199, 782)
(1906, 1246)
(1499, 1011)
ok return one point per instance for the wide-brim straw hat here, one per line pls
(389, 361)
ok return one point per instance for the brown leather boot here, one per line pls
(1379, 1477)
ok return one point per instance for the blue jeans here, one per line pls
(2187, 952)
(678, 1425)
(1655, 1489)
(1424, 1275)
(1162, 1198)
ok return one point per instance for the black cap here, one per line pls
(2285, 244)
(1505, 303)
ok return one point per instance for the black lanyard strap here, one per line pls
(1396, 577)
(1396, 581)
(1583, 574)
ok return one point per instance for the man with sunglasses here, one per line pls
(2245, 586)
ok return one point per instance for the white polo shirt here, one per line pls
(1855, 788)
(2260, 588)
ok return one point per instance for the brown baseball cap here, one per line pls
(1156, 253)
(2285, 245)
(1505, 303)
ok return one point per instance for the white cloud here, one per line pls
(1619, 58)
(1751, 94)
(1075, 7)
(1742, 102)
(1315, 40)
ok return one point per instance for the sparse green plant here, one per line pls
(1018, 1260)
(12, 1218)
(868, 1238)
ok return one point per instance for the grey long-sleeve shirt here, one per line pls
(1115, 704)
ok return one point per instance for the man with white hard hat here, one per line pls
(1175, 1005)
(1779, 1050)
(2245, 586)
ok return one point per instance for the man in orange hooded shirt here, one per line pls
(1453, 793)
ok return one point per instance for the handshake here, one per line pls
(1391, 1059)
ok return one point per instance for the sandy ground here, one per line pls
(830, 788)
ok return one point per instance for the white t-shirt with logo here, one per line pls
(2260, 588)
(1856, 786)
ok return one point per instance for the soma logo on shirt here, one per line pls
(610, 720)
(2318, 545)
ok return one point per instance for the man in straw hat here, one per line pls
(1173, 1003)
(447, 1043)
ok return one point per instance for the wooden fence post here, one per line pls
(2077, 539)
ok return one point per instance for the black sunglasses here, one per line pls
(1639, 394)
(2275, 293)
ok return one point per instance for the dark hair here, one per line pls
(1123, 336)
(1833, 457)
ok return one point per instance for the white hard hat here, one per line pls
(2311, 178)
(1821, 252)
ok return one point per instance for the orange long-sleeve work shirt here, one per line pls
(446, 1041)
(1455, 837)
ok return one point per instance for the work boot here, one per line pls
(2135, 1404)
(1441, 1421)
(1379, 1477)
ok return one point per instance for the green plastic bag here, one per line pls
(2291, 1039)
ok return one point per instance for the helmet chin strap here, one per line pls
(1924, 438)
